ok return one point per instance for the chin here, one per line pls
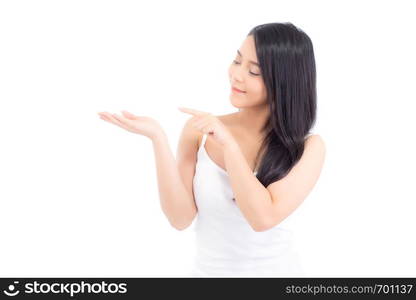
(237, 103)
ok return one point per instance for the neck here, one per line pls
(252, 119)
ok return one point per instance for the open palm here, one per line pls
(137, 124)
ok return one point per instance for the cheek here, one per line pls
(257, 92)
(255, 88)
(263, 91)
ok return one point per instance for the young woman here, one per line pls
(243, 174)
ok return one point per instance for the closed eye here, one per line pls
(237, 63)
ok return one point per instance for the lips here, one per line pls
(238, 90)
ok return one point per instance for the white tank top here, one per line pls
(226, 245)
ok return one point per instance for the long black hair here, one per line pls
(287, 64)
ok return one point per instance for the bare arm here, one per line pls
(174, 177)
(265, 207)
(176, 199)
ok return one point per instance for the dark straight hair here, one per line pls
(287, 64)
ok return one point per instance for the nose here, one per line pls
(235, 75)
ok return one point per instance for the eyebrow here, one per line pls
(253, 62)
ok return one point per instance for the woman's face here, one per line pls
(244, 73)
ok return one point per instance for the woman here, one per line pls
(242, 175)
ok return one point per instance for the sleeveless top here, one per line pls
(226, 245)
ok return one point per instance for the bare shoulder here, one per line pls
(315, 138)
(316, 143)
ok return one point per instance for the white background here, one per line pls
(78, 196)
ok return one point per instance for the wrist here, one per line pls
(159, 137)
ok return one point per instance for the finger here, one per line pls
(196, 121)
(123, 120)
(105, 116)
(201, 123)
(102, 115)
(208, 130)
(129, 115)
(113, 120)
(109, 118)
(204, 127)
(192, 111)
(204, 118)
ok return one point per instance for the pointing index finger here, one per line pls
(192, 111)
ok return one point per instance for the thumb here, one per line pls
(129, 115)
